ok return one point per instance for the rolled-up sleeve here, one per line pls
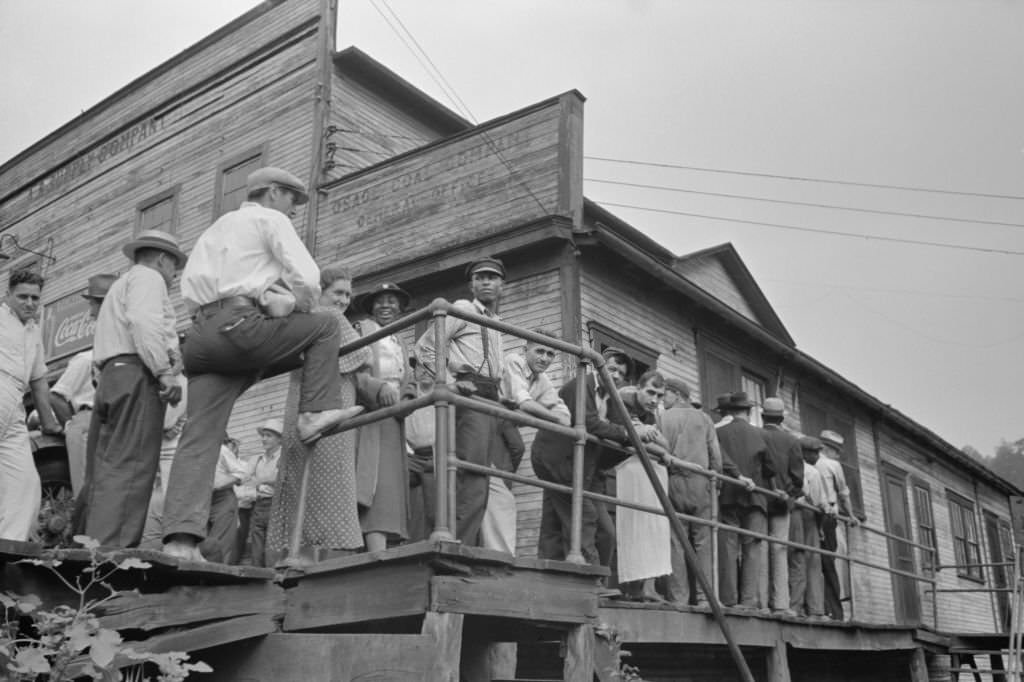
(517, 385)
(301, 272)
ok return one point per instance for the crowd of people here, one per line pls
(148, 413)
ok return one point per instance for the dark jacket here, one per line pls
(551, 453)
(787, 461)
(744, 452)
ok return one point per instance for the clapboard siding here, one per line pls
(709, 273)
(369, 129)
(454, 191)
(254, 33)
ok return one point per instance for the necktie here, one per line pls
(485, 340)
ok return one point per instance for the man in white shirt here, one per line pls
(806, 582)
(258, 486)
(244, 274)
(136, 349)
(833, 537)
(21, 368)
(72, 395)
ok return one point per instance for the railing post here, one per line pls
(442, 529)
(849, 568)
(453, 475)
(579, 448)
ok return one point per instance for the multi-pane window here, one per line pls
(754, 387)
(925, 527)
(966, 548)
(643, 358)
(723, 371)
(231, 182)
(159, 212)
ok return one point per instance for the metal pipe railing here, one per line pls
(447, 464)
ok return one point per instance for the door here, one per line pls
(901, 555)
(998, 535)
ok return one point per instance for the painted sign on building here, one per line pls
(67, 327)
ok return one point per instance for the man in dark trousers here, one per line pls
(787, 460)
(552, 457)
(475, 366)
(744, 456)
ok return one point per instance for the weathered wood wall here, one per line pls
(249, 87)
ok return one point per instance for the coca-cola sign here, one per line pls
(67, 327)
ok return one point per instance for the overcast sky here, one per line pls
(900, 93)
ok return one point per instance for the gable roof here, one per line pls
(720, 271)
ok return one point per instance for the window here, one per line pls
(925, 527)
(815, 417)
(723, 371)
(230, 191)
(159, 212)
(643, 357)
(966, 550)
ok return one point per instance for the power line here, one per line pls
(834, 233)
(907, 292)
(805, 203)
(904, 188)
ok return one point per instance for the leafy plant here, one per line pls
(620, 670)
(55, 512)
(67, 641)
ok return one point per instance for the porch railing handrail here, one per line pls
(447, 464)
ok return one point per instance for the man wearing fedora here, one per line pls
(249, 285)
(72, 396)
(788, 463)
(744, 457)
(258, 488)
(833, 537)
(692, 439)
(475, 366)
(806, 582)
(136, 350)
(21, 368)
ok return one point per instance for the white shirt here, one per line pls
(75, 384)
(519, 384)
(230, 469)
(137, 317)
(243, 253)
(21, 348)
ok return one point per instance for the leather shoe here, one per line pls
(312, 425)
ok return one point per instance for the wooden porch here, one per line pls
(436, 610)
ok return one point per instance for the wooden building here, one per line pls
(408, 191)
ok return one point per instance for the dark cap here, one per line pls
(99, 285)
(263, 178)
(722, 402)
(366, 303)
(810, 443)
(614, 352)
(679, 386)
(485, 265)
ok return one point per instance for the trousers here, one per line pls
(226, 351)
(20, 490)
(806, 582)
(773, 583)
(740, 563)
(690, 494)
(498, 530)
(219, 545)
(833, 590)
(258, 530)
(122, 452)
(76, 439)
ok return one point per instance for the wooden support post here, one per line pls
(777, 664)
(446, 630)
(485, 661)
(918, 666)
(579, 654)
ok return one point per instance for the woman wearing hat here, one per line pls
(331, 520)
(383, 478)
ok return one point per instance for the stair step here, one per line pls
(980, 652)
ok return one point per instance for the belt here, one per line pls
(130, 358)
(487, 387)
(227, 302)
(425, 451)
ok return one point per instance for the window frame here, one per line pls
(170, 193)
(959, 509)
(926, 534)
(601, 336)
(259, 152)
(745, 370)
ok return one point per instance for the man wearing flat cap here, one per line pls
(249, 284)
(135, 348)
(692, 440)
(475, 366)
(72, 396)
(744, 457)
(806, 582)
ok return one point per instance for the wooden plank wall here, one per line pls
(710, 274)
(255, 91)
(451, 193)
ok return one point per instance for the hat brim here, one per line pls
(367, 299)
(133, 246)
(261, 429)
(487, 268)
